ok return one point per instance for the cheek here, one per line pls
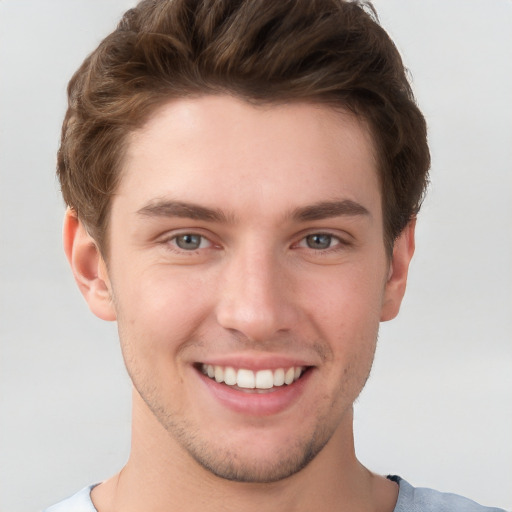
(352, 296)
(158, 311)
(347, 315)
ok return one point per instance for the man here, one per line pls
(243, 180)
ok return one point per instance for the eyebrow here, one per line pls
(328, 209)
(317, 211)
(165, 208)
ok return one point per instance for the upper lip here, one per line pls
(257, 362)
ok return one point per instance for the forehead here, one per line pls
(221, 151)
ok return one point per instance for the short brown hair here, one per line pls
(330, 51)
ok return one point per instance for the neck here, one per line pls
(161, 476)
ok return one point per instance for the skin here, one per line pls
(258, 183)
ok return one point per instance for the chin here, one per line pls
(262, 457)
(253, 468)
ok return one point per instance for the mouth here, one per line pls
(249, 381)
(257, 385)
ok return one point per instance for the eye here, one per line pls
(319, 241)
(190, 241)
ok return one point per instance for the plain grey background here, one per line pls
(438, 407)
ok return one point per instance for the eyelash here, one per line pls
(172, 244)
(336, 243)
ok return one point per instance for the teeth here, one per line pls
(279, 377)
(264, 379)
(247, 379)
(219, 374)
(230, 376)
(289, 375)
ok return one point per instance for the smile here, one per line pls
(248, 379)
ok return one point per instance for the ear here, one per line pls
(88, 266)
(403, 250)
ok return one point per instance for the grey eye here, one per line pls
(319, 241)
(189, 242)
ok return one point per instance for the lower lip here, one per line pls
(254, 403)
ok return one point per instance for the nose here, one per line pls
(256, 298)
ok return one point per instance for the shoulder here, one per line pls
(420, 499)
(79, 502)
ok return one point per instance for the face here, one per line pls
(248, 276)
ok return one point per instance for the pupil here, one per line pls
(188, 241)
(319, 241)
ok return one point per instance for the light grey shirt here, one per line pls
(410, 499)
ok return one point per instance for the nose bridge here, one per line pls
(253, 295)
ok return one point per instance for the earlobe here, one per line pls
(88, 266)
(403, 251)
